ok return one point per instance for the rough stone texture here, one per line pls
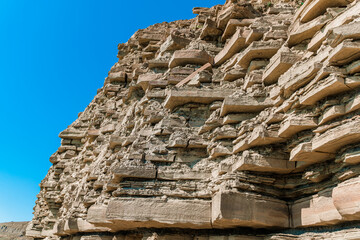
(242, 123)
(13, 231)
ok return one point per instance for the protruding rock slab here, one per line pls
(72, 134)
(345, 53)
(233, 24)
(295, 124)
(236, 43)
(278, 65)
(180, 97)
(238, 209)
(348, 31)
(346, 197)
(244, 104)
(261, 50)
(134, 171)
(303, 153)
(183, 57)
(307, 30)
(334, 84)
(132, 213)
(318, 7)
(262, 163)
(316, 210)
(337, 137)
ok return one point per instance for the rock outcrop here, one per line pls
(13, 231)
(242, 123)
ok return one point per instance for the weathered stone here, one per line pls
(315, 210)
(318, 7)
(236, 209)
(183, 57)
(341, 19)
(262, 50)
(278, 65)
(128, 213)
(262, 163)
(335, 138)
(232, 25)
(180, 97)
(295, 124)
(306, 31)
(332, 85)
(134, 171)
(177, 145)
(344, 53)
(304, 153)
(244, 104)
(174, 42)
(235, 44)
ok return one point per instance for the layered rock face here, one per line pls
(242, 123)
(13, 231)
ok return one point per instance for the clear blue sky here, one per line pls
(54, 56)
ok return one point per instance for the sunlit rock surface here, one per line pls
(242, 123)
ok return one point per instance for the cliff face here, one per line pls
(242, 123)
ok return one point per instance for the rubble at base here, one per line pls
(242, 123)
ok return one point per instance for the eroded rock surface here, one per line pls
(242, 123)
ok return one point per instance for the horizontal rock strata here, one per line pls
(242, 123)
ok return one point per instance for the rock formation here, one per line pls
(242, 123)
(13, 231)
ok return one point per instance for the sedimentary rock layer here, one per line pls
(242, 123)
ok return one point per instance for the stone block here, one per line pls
(132, 213)
(180, 97)
(352, 158)
(318, 7)
(317, 210)
(240, 209)
(174, 42)
(144, 79)
(209, 29)
(348, 31)
(353, 104)
(235, 44)
(306, 31)
(252, 161)
(294, 124)
(236, 118)
(236, 11)
(72, 134)
(304, 153)
(233, 24)
(331, 113)
(346, 198)
(258, 50)
(259, 136)
(244, 104)
(344, 53)
(133, 171)
(334, 84)
(183, 57)
(335, 138)
(279, 64)
(341, 19)
(298, 76)
(117, 77)
(165, 174)
(353, 68)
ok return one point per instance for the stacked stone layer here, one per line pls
(244, 119)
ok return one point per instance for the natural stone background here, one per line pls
(242, 123)
(13, 231)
